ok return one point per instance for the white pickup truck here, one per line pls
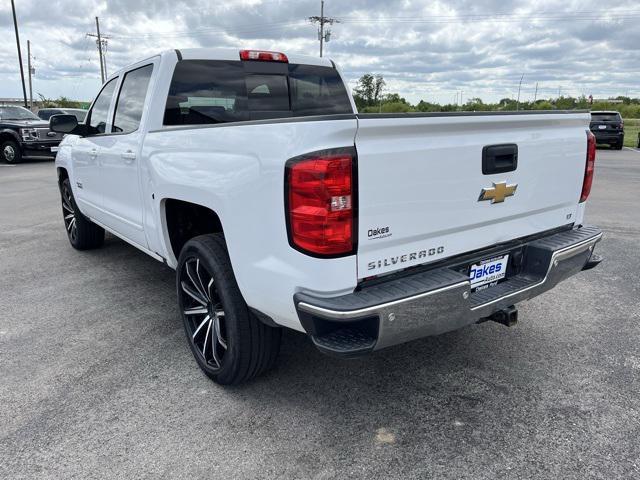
(253, 176)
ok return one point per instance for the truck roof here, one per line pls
(234, 54)
(225, 54)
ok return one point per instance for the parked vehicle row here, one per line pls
(25, 135)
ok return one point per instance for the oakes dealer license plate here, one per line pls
(487, 273)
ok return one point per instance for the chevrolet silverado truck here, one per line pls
(253, 176)
(24, 135)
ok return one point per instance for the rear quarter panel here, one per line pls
(238, 172)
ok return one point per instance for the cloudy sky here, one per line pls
(432, 50)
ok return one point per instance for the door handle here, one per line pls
(93, 153)
(499, 158)
(129, 156)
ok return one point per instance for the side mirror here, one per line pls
(63, 123)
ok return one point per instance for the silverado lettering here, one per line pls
(408, 257)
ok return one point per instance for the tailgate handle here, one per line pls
(499, 158)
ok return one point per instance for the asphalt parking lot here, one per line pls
(97, 380)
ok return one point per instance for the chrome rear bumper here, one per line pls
(439, 300)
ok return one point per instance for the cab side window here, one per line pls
(97, 122)
(130, 104)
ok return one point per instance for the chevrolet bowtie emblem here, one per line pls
(498, 192)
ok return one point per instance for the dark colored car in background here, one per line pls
(608, 127)
(24, 135)
(47, 113)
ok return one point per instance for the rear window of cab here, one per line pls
(217, 91)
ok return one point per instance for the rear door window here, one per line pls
(130, 104)
(209, 92)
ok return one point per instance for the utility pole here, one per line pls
(322, 20)
(100, 49)
(15, 25)
(101, 42)
(535, 95)
(519, 87)
(31, 71)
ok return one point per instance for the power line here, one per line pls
(321, 21)
(435, 19)
(448, 19)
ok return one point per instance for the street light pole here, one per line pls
(29, 69)
(519, 87)
(100, 50)
(15, 26)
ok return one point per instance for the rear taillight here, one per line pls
(320, 203)
(263, 56)
(589, 167)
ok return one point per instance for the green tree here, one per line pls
(476, 105)
(368, 91)
(423, 106)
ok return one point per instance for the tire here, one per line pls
(229, 343)
(10, 152)
(619, 145)
(81, 232)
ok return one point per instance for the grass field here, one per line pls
(631, 129)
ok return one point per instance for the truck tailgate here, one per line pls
(420, 180)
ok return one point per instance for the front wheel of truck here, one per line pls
(228, 342)
(10, 152)
(83, 234)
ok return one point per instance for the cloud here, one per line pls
(425, 49)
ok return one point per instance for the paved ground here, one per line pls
(96, 379)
